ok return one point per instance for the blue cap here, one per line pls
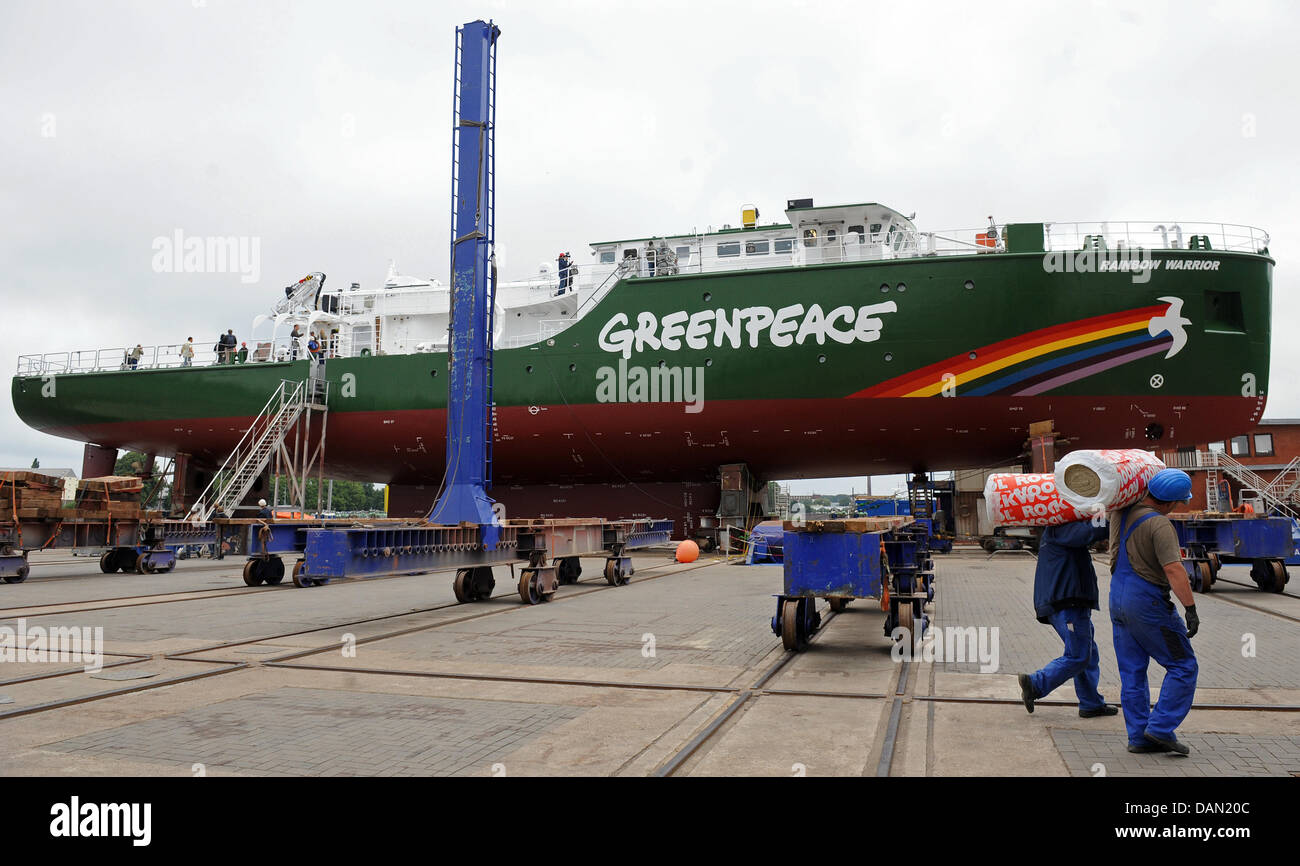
(1170, 485)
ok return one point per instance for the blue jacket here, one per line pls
(1065, 576)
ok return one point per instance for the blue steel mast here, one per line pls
(464, 497)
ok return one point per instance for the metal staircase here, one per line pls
(1279, 496)
(264, 438)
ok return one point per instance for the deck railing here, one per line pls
(734, 251)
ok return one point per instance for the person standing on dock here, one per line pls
(1065, 595)
(187, 352)
(1146, 564)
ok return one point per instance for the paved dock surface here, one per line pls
(676, 673)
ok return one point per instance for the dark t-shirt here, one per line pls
(1151, 546)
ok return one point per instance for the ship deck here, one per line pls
(676, 674)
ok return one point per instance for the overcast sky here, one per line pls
(322, 129)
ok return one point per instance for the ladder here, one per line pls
(241, 469)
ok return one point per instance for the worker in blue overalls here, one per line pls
(1146, 564)
(1065, 595)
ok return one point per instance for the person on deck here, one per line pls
(133, 359)
(187, 352)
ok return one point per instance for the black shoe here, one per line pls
(1171, 745)
(1103, 710)
(1146, 748)
(1027, 692)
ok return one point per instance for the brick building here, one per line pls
(1263, 461)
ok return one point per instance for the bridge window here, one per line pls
(1240, 446)
(810, 237)
(607, 257)
(831, 237)
(857, 230)
(757, 248)
(1263, 444)
(784, 245)
(683, 253)
(1218, 446)
(729, 249)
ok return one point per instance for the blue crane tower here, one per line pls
(464, 497)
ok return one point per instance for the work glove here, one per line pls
(1193, 621)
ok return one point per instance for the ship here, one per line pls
(843, 340)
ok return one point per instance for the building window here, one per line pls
(607, 257)
(1240, 446)
(784, 245)
(1263, 444)
(729, 249)
(1218, 446)
(756, 248)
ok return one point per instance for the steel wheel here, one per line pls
(1215, 564)
(142, 564)
(1278, 570)
(611, 572)
(792, 636)
(20, 575)
(530, 587)
(906, 616)
(253, 572)
(461, 586)
(273, 571)
(1205, 575)
(838, 604)
(108, 562)
(300, 578)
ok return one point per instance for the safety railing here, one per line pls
(169, 356)
(591, 282)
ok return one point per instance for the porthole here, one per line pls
(902, 287)
(970, 284)
(528, 369)
(573, 368)
(662, 363)
(884, 287)
(708, 362)
(889, 356)
(708, 296)
(433, 373)
(821, 359)
(971, 356)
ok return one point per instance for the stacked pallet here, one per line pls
(30, 495)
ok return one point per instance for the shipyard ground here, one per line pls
(675, 674)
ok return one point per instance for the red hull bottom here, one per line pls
(615, 443)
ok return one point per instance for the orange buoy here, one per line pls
(688, 551)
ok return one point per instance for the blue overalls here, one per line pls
(1147, 627)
